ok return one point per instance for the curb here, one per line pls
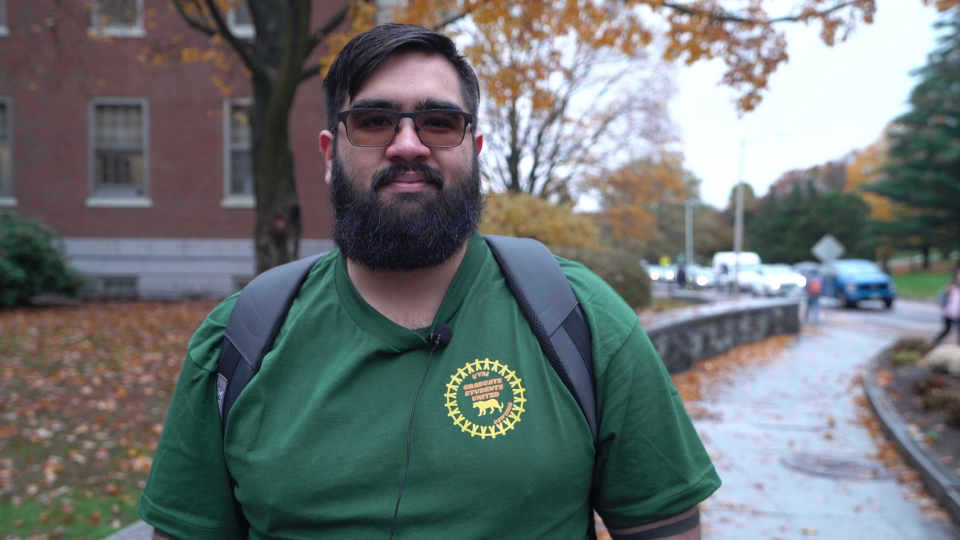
(942, 483)
(138, 530)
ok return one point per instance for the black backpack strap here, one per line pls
(254, 322)
(553, 311)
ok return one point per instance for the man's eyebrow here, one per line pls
(422, 105)
(426, 104)
(374, 103)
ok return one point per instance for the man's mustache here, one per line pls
(385, 177)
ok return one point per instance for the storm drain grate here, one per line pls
(837, 467)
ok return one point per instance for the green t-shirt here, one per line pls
(317, 441)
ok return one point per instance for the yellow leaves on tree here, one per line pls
(744, 35)
(362, 17)
(560, 81)
(867, 168)
(520, 214)
(745, 38)
(632, 196)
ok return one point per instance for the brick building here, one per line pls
(122, 129)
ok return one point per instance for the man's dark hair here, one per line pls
(364, 53)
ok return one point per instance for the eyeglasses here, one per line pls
(436, 128)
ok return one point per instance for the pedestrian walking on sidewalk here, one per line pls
(814, 288)
(950, 300)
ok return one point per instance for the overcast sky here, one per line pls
(822, 104)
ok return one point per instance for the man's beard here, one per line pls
(410, 231)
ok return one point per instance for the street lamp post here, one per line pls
(689, 232)
(738, 224)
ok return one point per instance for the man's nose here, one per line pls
(406, 143)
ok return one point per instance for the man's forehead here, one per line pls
(411, 80)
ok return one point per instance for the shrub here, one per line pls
(912, 344)
(938, 399)
(32, 261)
(952, 414)
(621, 270)
(922, 386)
(906, 358)
(945, 359)
(523, 215)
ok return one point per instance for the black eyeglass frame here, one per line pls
(342, 118)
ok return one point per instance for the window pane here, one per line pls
(240, 14)
(119, 126)
(118, 12)
(241, 173)
(240, 126)
(6, 179)
(3, 12)
(119, 169)
(119, 147)
(4, 135)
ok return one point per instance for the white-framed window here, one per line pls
(4, 29)
(239, 20)
(117, 18)
(118, 153)
(6, 154)
(237, 156)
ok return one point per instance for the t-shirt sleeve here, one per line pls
(651, 463)
(188, 492)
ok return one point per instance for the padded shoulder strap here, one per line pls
(254, 322)
(553, 311)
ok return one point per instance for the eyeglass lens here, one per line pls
(377, 128)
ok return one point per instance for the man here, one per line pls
(814, 290)
(320, 442)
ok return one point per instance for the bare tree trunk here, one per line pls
(278, 227)
(279, 224)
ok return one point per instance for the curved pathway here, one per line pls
(795, 460)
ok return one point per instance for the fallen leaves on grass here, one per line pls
(893, 459)
(83, 394)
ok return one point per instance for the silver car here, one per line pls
(777, 280)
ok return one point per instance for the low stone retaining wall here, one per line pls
(686, 336)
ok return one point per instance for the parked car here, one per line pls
(700, 277)
(853, 280)
(662, 274)
(777, 280)
(724, 263)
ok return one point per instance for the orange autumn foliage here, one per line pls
(631, 196)
(745, 36)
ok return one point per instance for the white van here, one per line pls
(723, 268)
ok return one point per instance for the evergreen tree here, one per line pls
(923, 172)
(786, 227)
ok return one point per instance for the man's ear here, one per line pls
(326, 146)
(478, 141)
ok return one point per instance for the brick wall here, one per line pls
(52, 70)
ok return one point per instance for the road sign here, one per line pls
(828, 248)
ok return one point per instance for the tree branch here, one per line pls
(194, 23)
(452, 19)
(242, 47)
(321, 33)
(726, 16)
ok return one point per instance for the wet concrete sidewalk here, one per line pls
(795, 460)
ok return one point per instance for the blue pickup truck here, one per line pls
(853, 280)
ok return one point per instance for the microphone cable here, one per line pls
(441, 336)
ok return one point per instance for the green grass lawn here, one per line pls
(83, 394)
(920, 286)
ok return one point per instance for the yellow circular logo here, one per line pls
(485, 398)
